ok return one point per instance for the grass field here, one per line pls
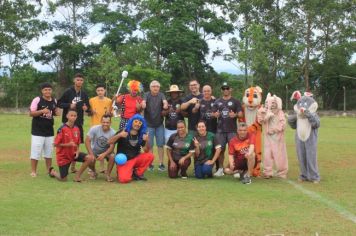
(161, 206)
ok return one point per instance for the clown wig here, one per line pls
(135, 86)
(142, 130)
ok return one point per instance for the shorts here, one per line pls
(168, 133)
(240, 164)
(157, 132)
(63, 170)
(106, 157)
(41, 145)
(224, 138)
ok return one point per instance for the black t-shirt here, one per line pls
(173, 117)
(153, 110)
(193, 118)
(225, 123)
(69, 96)
(129, 146)
(206, 109)
(43, 125)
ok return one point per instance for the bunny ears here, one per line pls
(296, 95)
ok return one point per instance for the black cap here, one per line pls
(225, 85)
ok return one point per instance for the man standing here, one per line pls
(77, 99)
(242, 154)
(99, 105)
(206, 109)
(191, 105)
(226, 109)
(130, 103)
(97, 145)
(42, 109)
(154, 102)
(173, 114)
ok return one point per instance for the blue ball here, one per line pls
(120, 159)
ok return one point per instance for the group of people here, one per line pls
(157, 118)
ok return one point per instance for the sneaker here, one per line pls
(246, 180)
(237, 175)
(184, 177)
(151, 167)
(138, 177)
(219, 172)
(161, 167)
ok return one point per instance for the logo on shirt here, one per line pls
(229, 103)
(225, 113)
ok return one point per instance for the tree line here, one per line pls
(279, 45)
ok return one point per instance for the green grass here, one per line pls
(161, 206)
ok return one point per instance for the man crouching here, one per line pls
(129, 142)
(241, 154)
(67, 144)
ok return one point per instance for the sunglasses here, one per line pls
(225, 88)
(137, 122)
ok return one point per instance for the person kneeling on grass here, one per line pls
(179, 151)
(241, 154)
(67, 144)
(129, 142)
(207, 151)
(97, 146)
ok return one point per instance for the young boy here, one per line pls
(42, 109)
(100, 106)
(67, 144)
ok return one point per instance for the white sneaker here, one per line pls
(219, 172)
(237, 175)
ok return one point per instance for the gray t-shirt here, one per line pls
(99, 139)
(154, 107)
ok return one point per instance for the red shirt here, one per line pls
(128, 105)
(238, 148)
(65, 135)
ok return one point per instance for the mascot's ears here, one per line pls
(296, 95)
(258, 88)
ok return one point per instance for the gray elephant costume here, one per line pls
(306, 122)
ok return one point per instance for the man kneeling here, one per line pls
(241, 154)
(129, 142)
(97, 145)
(67, 144)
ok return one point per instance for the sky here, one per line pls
(95, 37)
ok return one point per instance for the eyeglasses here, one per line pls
(191, 85)
(137, 122)
(225, 88)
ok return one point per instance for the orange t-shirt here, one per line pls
(99, 108)
(239, 148)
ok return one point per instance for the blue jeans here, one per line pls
(157, 132)
(203, 170)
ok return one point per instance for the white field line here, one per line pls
(342, 211)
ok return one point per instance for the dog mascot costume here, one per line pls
(275, 151)
(251, 103)
(306, 122)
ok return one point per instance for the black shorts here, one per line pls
(63, 170)
(224, 138)
(81, 133)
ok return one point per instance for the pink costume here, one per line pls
(273, 121)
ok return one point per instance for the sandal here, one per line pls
(109, 179)
(93, 175)
(77, 180)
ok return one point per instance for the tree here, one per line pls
(18, 26)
